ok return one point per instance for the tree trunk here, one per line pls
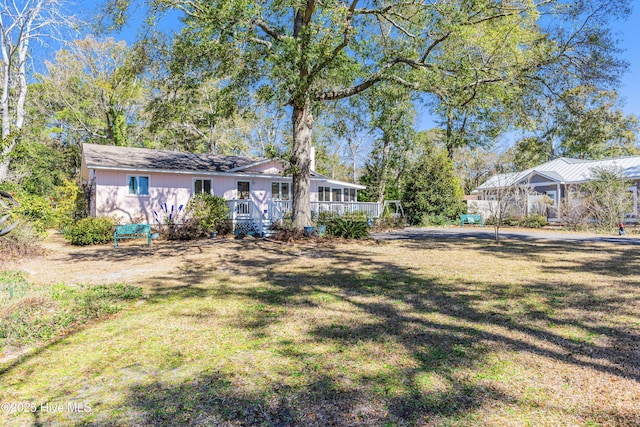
(449, 134)
(9, 136)
(302, 120)
(354, 159)
(6, 117)
(384, 163)
(22, 80)
(354, 168)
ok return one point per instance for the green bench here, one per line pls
(132, 231)
(471, 219)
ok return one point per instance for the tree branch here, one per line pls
(346, 36)
(257, 40)
(383, 10)
(433, 45)
(308, 13)
(268, 29)
(345, 93)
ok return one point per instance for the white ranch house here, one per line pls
(131, 184)
(557, 178)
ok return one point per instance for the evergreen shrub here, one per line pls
(90, 231)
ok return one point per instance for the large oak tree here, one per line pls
(302, 53)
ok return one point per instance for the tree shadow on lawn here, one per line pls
(437, 324)
(620, 259)
(212, 399)
(615, 263)
(618, 264)
(139, 250)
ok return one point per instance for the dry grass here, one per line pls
(19, 244)
(434, 332)
(31, 315)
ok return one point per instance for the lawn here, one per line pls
(435, 332)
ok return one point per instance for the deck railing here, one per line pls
(247, 209)
(370, 209)
(244, 209)
(279, 208)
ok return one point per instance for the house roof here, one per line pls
(566, 171)
(113, 157)
(96, 156)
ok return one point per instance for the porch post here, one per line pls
(559, 192)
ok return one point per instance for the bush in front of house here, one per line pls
(90, 231)
(606, 197)
(389, 222)
(348, 228)
(531, 221)
(207, 213)
(534, 221)
(71, 205)
(286, 231)
(354, 225)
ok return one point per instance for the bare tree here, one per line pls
(352, 148)
(21, 24)
(507, 198)
(607, 197)
(574, 212)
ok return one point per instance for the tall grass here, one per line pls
(30, 313)
(23, 241)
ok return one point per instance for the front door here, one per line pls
(243, 194)
(552, 211)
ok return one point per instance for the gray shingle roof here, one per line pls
(108, 156)
(568, 171)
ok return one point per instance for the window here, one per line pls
(552, 196)
(244, 190)
(202, 186)
(328, 194)
(349, 194)
(139, 185)
(324, 194)
(634, 198)
(280, 191)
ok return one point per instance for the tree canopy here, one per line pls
(274, 78)
(299, 54)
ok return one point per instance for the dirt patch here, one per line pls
(134, 262)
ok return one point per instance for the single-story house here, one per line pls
(557, 178)
(134, 184)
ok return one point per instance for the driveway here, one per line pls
(418, 233)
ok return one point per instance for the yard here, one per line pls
(434, 332)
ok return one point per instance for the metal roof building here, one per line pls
(565, 171)
(555, 178)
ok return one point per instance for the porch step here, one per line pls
(266, 227)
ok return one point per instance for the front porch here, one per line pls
(247, 216)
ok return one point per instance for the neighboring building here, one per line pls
(557, 178)
(131, 184)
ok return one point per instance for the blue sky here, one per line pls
(629, 34)
(627, 31)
